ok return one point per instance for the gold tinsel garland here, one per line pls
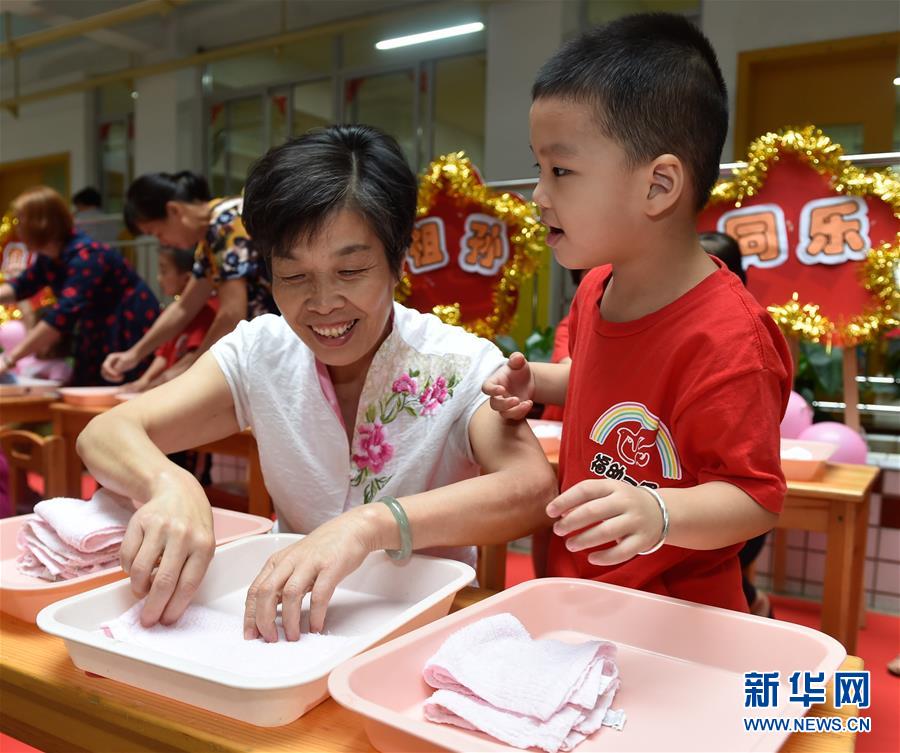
(7, 228)
(456, 172)
(814, 148)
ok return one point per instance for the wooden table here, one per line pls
(25, 409)
(46, 702)
(69, 421)
(838, 506)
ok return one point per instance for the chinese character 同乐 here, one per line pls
(833, 230)
(761, 234)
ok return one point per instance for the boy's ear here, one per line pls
(666, 184)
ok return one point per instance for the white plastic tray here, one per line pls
(379, 601)
(23, 596)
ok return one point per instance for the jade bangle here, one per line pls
(405, 551)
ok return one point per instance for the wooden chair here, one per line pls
(26, 451)
(491, 567)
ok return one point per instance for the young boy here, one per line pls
(679, 378)
(175, 266)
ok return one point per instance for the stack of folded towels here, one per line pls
(493, 677)
(68, 537)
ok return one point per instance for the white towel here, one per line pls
(216, 639)
(493, 677)
(67, 538)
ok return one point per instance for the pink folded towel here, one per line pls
(492, 676)
(215, 639)
(88, 526)
(67, 538)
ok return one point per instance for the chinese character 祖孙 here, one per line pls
(428, 250)
(484, 248)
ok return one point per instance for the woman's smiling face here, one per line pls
(336, 290)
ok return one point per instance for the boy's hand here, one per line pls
(511, 388)
(607, 511)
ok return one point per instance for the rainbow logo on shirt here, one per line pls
(622, 413)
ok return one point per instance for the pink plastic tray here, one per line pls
(681, 666)
(548, 433)
(23, 596)
(805, 460)
(90, 396)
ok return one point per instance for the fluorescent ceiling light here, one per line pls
(429, 36)
(897, 81)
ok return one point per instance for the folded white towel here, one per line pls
(216, 639)
(493, 677)
(68, 537)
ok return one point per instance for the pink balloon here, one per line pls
(851, 447)
(11, 334)
(797, 418)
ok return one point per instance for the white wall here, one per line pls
(520, 37)
(63, 124)
(735, 26)
(156, 124)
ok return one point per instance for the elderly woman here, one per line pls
(177, 210)
(353, 399)
(100, 299)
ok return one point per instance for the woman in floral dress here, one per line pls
(100, 300)
(178, 211)
(353, 399)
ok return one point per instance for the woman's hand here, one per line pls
(116, 365)
(511, 388)
(314, 565)
(167, 548)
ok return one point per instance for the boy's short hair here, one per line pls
(295, 188)
(87, 197)
(655, 86)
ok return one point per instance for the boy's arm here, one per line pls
(707, 516)
(551, 382)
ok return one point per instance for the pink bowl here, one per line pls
(90, 396)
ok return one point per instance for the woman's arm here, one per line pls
(507, 501)
(38, 339)
(125, 450)
(170, 323)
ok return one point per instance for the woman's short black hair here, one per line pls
(726, 248)
(655, 87)
(148, 195)
(182, 258)
(294, 189)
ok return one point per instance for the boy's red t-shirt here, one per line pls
(190, 338)
(692, 393)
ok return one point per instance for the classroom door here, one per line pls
(844, 86)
